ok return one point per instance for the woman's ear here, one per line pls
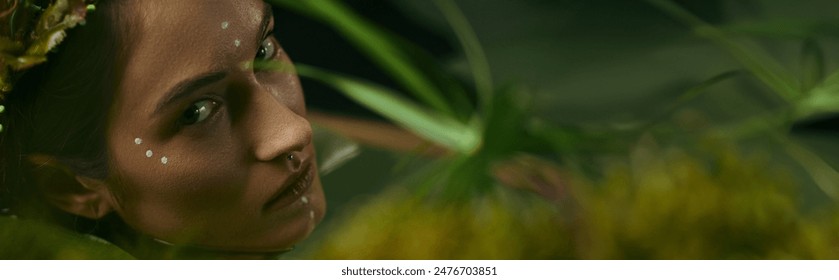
(75, 194)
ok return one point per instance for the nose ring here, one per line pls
(294, 162)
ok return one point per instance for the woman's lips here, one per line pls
(292, 190)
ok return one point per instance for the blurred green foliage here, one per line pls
(30, 240)
(661, 204)
(676, 183)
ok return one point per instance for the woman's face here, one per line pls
(205, 151)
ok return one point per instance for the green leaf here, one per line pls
(505, 129)
(789, 28)
(26, 61)
(824, 175)
(437, 128)
(823, 99)
(565, 140)
(757, 125)
(24, 239)
(472, 47)
(8, 46)
(333, 149)
(812, 64)
(754, 59)
(376, 44)
(687, 96)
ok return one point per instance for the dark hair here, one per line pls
(60, 108)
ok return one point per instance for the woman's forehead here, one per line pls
(175, 40)
(180, 28)
(155, 13)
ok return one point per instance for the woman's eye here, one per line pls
(267, 50)
(198, 112)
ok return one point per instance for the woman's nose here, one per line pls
(278, 132)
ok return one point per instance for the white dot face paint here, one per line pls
(138, 141)
(311, 214)
(164, 160)
(225, 25)
(149, 153)
(304, 199)
(237, 43)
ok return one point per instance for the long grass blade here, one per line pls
(334, 150)
(472, 48)
(762, 66)
(786, 28)
(438, 128)
(822, 99)
(375, 43)
(812, 64)
(687, 96)
(824, 175)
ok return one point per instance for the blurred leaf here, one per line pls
(437, 128)
(25, 239)
(333, 149)
(825, 176)
(453, 87)
(374, 42)
(505, 125)
(823, 99)
(472, 47)
(567, 140)
(752, 58)
(812, 64)
(759, 124)
(800, 28)
(687, 96)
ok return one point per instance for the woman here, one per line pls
(146, 121)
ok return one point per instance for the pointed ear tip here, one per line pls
(91, 205)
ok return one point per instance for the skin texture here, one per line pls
(221, 171)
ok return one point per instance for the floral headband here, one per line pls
(30, 29)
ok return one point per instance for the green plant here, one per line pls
(601, 192)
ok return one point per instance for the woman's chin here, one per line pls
(298, 222)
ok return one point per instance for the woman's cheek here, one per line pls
(166, 188)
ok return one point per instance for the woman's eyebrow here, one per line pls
(186, 87)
